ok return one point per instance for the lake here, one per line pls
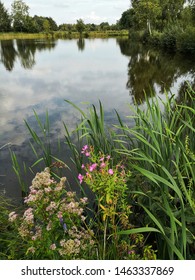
(40, 74)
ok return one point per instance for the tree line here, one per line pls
(158, 14)
(19, 20)
(167, 23)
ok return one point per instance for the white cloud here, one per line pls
(93, 18)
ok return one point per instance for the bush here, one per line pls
(186, 40)
(53, 224)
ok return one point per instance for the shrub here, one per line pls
(53, 225)
(186, 40)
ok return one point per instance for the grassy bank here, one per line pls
(174, 39)
(63, 34)
(141, 182)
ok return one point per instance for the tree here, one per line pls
(127, 19)
(5, 19)
(53, 24)
(46, 26)
(171, 10)
(80, 26)
(20, 14)
(147, 13)
(104, 26)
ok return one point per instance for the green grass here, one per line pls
(63, 34)
(159, 150)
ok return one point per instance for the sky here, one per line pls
(68, 11)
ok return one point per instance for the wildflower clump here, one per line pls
(109, 183)
(53, 225)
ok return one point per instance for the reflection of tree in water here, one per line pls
(149, 69)
(81, 44)
(186, 89)
(8, 54)
(25, 50)
(26, 53)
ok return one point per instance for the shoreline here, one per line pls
(64, 35)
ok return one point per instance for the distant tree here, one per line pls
(38, 22)
(80, 26)
(53, 24)
(127, 19)
(20, 14)
(92, 27)
(31, 25)
(45, 23)
(104, 26)
(5, 19)
(46, 26)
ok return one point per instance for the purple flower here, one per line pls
(92, 167)
(83, 166)
(110, 171)
(80, 177)
(65, 227)
(87, 154)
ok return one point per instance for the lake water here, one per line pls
(40, 74)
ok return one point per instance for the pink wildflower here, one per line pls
(84, 149)
(53, 246)
(59, 214)
(87, 154)
(110, 171)
(92, 167)
(108, 157)
(80, 177)
(102, 159)
(83, 166)
(102, 165)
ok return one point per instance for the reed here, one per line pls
(161, 153)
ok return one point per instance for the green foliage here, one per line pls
(164, 163)
(108, 182)
(80, 26)
(11, 245)
(146, 13)
(5, 19)
(20, 14)
(127, 19)
(186, 40)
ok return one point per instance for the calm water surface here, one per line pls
(40, 74)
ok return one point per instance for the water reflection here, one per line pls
(8, 54)
(82, 71)
(24, 50)
(81, 44)
(151, 71)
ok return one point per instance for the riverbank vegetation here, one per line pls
(64, 35)
(135, 194)
(165, 24)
